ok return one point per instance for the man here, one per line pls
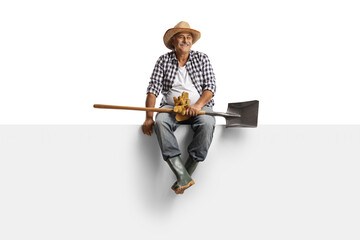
(181, 70)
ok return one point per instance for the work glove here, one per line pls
(182, 103)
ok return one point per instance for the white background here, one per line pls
(58, 58)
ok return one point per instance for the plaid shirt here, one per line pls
(198, 67)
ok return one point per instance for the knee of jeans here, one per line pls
(160, 121)
(207, 122)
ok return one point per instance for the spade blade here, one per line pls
(248, 112)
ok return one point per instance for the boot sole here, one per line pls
(180, 190)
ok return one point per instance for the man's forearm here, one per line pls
(205, 98)
(150, 102)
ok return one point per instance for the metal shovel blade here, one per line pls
(248, 112)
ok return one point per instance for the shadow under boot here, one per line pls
(183, 178)
(190, 166)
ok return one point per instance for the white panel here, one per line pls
(109, 182)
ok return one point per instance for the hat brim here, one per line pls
(172, 31)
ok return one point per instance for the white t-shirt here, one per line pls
(182, 83)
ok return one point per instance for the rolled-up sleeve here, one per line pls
(209, 76)
(155, 84)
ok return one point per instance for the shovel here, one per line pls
(240, 114)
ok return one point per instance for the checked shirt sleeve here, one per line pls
(209, 76)
(155, 84)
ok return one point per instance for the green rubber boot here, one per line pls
(190, 166)
(184, 180)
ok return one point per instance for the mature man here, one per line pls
(177, 71)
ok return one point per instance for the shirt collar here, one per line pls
(174, 59)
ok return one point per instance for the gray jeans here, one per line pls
(203, 126)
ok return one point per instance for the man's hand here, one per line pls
(147, 126)
(193, 110)
(149, 122)
(196, 108)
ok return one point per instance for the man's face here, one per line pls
(182, 41)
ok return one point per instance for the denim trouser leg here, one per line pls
(203, 126)
(165, 126)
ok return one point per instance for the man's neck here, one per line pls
(182, 58)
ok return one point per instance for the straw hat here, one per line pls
(180, 27)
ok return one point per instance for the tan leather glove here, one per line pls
(182, 103)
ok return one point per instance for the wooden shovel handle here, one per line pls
(168, 110)
(134, 108)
